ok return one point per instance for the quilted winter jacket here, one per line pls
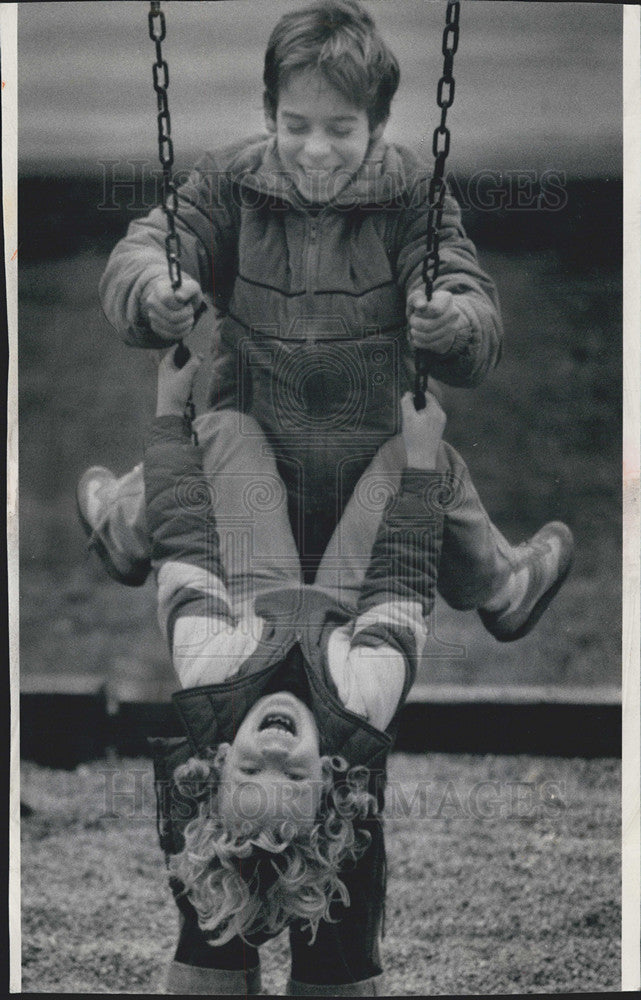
(274, 265)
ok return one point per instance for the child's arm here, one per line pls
(194, 610)
(398, 592)
(135, 290)
(461, 327)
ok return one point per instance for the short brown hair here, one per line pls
(339, 38)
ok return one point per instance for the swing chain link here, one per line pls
(169, 194)
(438, 185)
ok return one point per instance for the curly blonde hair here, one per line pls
(257, 883)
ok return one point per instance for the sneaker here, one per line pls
(546, 576)
(93, 492)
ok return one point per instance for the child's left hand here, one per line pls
(174, 385)
(422, 430)
(432, 324)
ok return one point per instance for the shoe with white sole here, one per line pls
(548, 557)
(96, 488)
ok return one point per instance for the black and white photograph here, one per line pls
(321, 483)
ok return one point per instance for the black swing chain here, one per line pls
(169, 194)
(438, 184)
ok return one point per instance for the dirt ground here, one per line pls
(504, 877)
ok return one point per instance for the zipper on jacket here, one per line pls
(312, 261)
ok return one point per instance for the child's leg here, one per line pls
(233, 969)
(344, 959)
(112, 510)
(510, 586)
(249, 499)
(197, 967)
(475, 556)
(476, 560)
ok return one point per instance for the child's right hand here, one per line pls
(175, 385)
(170, 313)
(422, 431)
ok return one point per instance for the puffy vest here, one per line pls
(285, 659)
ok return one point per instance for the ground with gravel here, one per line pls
(504, 876)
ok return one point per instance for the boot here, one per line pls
(541, 567)
(111, 512)
(192, 979)
(373, 987)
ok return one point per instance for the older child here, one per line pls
(292, 696)
(309, 243)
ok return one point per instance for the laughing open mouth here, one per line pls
(278, 720)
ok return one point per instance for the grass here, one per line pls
(504, 876)
(541, 436)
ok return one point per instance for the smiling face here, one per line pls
(322, 137)
(272, 771)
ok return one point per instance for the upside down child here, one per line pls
(270, 808)
(307, 242)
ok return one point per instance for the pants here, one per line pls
(260, 545)
(344, 959)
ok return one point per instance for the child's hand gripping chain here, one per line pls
(433, 324)
(171, 313)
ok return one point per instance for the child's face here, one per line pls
(272, 771)
(322, 138)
